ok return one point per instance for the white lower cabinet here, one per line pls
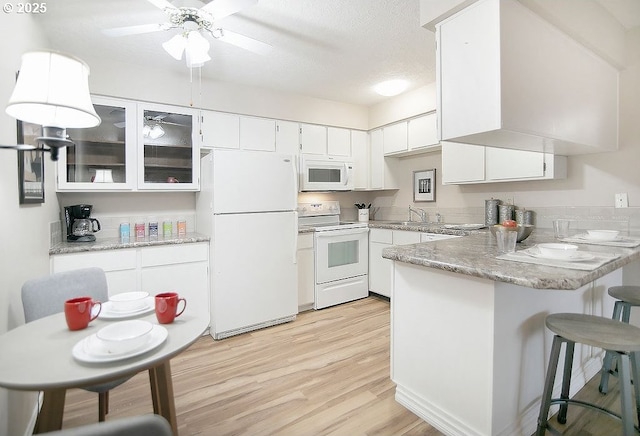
(306, 272)
(181, 268)
(381, 269)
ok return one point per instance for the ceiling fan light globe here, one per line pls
(53, 90)
(197, 50)
(175, 46)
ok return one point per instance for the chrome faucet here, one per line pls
(420, 212)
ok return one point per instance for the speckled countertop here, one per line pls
(475, 255)
(116, 244)
(420, 227)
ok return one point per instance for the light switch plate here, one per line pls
(622, 200)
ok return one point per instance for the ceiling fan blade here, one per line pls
(136, 30)
(253, 45)
(162, 4)
(223, 8)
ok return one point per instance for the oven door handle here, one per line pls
(332, 233)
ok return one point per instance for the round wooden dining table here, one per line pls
(37, 356)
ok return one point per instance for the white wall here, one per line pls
(148, 84)
(24, 234)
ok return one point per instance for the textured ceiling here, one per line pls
(331, 49)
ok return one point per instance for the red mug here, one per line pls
(79, 312)
(167, 307)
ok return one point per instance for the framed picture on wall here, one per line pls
(424, 185)
(30, 165)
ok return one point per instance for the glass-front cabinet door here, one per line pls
(103, 157)
(168, 158)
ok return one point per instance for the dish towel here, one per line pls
(624, 241)
(597, 261)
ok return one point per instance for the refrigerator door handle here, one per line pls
(295, 239)
(294, 169)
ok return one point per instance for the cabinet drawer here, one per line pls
(381, 235)
(305, 241)
(172, 254)
(110, 260)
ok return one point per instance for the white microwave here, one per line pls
(325, 173)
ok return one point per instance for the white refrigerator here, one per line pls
(247, 205)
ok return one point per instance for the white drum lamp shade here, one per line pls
(53, 90)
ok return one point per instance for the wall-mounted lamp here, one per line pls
(52, 90)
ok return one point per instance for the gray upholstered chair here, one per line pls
(45, 296)
(145, 425)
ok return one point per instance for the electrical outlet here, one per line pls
(622, 200)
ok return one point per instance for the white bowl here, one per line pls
(603, 235)
(124, 336)
(557, 251)
(128, 301)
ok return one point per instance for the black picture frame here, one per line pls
(424, 185)
(30, 165)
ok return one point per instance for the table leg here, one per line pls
(50, 416)
(162, 394)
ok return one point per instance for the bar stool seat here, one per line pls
(619, 338)
(626, 298)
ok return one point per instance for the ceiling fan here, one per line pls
(193, 22)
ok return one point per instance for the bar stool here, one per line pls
(627, 297)
(621, 339)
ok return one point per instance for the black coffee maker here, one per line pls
(80, 227)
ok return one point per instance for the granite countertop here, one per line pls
(115, 243)
(421, 227)
(475, 255)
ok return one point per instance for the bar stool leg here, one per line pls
(566, 380)
(625, 395)
(635, 370)
(609, 356)
(545, 403)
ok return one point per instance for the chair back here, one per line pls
(45, 296)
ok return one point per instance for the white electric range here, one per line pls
(341, 253)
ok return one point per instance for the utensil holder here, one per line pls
(363, 215)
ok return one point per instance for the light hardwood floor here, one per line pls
(326, 373)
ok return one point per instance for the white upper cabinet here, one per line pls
(507, 78)
(462, 163)
(220, 130)
(323, 140)
(107, 149)
(379, 173)
(422, 132)
(138, 146)
(287, 137)
(257, 134)
(361, 160)
(338, 141)
(313, 139)
(394, 138)
(413, 136)
(465, 164)
(169, 161)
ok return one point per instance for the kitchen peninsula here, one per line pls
(469, 345)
